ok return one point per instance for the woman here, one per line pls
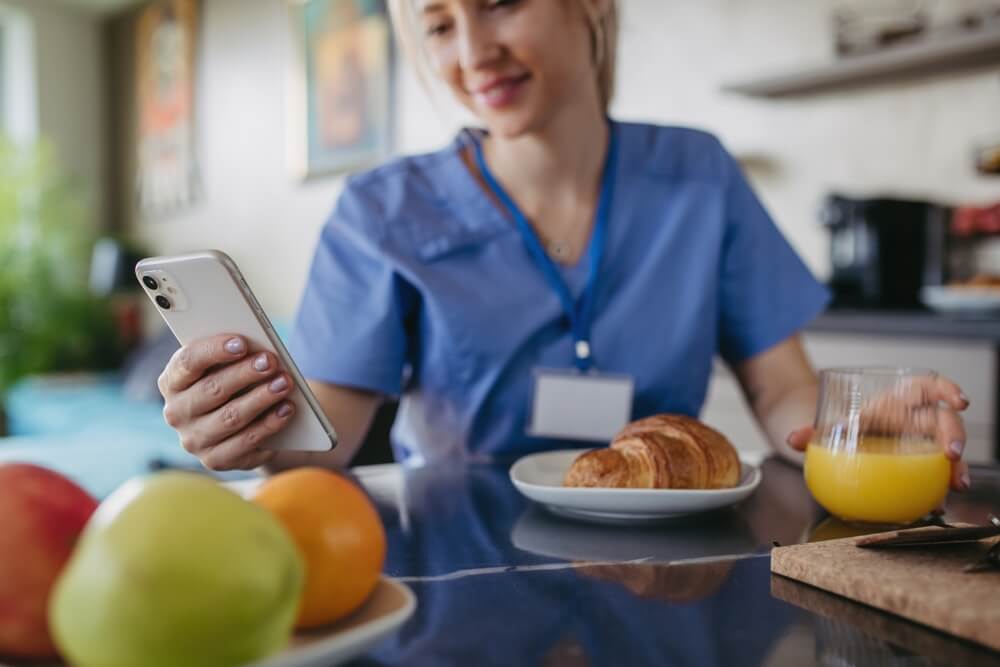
(469, 280)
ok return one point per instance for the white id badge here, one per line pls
(571, 405)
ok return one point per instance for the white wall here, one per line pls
(909, 138)
(71, 93)
(251, 207)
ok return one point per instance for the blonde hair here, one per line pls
(603, 35)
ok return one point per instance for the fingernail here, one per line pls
(966, 480)
(235, 346)
(261, 363)
(956, 448)
(278, 385)
(964, 397)
(284, 410)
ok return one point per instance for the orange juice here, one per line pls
(875, 484)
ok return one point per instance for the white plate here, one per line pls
(390, 605)
(539, 477)
(718, 535)
(961, 300)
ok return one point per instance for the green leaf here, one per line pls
(49, 320)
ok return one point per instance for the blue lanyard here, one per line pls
(580, 313)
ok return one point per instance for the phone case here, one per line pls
(207, 295)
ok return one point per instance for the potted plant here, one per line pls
(49, 319)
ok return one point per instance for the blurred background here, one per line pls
(871, 130)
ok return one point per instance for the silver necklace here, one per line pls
(558, 249)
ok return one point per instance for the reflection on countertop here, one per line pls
(501, 581)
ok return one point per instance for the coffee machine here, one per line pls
(882, 250)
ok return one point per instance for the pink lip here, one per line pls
(500, 92)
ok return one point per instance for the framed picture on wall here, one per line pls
(166, 178)
(341, 86)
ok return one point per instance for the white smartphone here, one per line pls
(204, 294)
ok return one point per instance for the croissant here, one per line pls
(723, 461)
(659, 581)
(660, 452)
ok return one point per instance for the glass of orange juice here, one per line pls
(874, 457)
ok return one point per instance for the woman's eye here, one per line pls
(437, 29)
(496, 4)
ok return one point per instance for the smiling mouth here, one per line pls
(501, 93)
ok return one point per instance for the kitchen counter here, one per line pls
(921, 324)
(500, 581)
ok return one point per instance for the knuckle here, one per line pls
(253, 437)
(198, 440)
(170, 416)
(189, 444)
(184, 360)
(230, 415)
(212, 388)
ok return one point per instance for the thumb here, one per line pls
(799, 439)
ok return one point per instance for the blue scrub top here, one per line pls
(422, 288)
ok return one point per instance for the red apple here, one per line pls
(41, 515)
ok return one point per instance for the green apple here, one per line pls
(175, 569)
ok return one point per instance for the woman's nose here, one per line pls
(477, 46)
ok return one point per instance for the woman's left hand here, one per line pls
(948, 429)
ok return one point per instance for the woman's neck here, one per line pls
(559, 166)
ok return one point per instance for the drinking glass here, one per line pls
(874, 456)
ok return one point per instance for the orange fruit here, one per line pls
(339, 534)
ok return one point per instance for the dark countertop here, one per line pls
(918, 324)
(500, 581)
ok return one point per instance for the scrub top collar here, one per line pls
(478, 216)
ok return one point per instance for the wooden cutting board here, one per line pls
(860, 631)
(926, 584)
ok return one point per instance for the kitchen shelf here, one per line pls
(913, 324)
(932, 55)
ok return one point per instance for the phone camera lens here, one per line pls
(150, 282)
(163, 302)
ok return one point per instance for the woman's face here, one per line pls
(514, 63)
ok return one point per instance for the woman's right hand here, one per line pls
(223, 403)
